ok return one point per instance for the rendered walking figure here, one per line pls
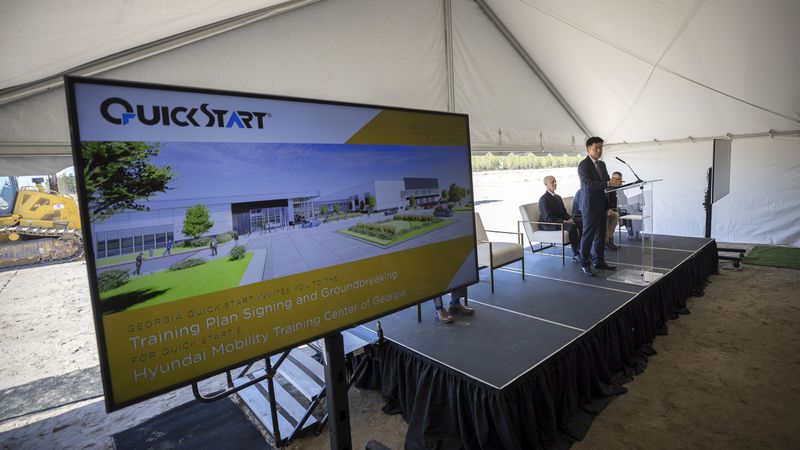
(444, 315)
(138, 270)
(168, 251)
(213, 246)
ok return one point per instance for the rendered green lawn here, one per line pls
(212, 276)
(398, 224)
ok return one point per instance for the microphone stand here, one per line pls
(629, 167)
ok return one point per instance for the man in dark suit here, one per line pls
(552, 209)
(594, 206)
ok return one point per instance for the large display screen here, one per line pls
(722, 169)
(221, 227)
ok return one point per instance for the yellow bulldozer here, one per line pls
(37, 225)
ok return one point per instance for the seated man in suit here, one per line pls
(552, 209)
(631, 206)
(577, 215)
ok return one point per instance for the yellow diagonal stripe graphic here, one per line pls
(154, 348)
(413, 128)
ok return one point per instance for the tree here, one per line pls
(119, 176)
(323, 210)
(444, 195)
(372, 203)
(66, 184)
(412, 202)
(197, 221)
(336, 208)
(456, 193)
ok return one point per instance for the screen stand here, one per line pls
(336, 393)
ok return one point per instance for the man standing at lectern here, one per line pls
(594, 206)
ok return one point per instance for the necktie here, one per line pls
(597, 168)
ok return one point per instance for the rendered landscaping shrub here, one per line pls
(415, 218)
(200, 242)
(225, 237)
(237, 252)
(112, 279)
(186, 263)
(393, 228)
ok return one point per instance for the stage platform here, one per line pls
(541, 355)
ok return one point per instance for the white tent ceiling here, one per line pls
(45, 37)
(639, 70)
(632, 70)
(531, 74)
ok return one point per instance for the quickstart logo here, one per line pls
(120, 112)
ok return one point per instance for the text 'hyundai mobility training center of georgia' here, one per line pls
(137, 231)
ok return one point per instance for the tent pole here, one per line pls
(448, 43)
(770, 133)
(533, 66)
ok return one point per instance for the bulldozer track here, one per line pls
(51, 246)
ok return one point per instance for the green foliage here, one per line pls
(520, 162)
(225, 237)
(323, 210)
(201, 242)
(337, 208)
(197, 221)
(119, 176)
(393, 228)
(66, 184)
(456, 193)
(412, 202)
(237, 252)
(112, 279)
(336, 217)
(372, 203)
(186, 263)
(444, 194)
(416, 218)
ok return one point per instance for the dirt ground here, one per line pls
(726, 376)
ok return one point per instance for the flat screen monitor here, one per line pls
(221, 227)
(722, 169)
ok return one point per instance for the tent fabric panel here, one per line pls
(761, 208)
(41, 37)
(376, 52)
(596, 79)
(747, 49)
(506, 101)
(642, 27)
(678, 199)
(40, 118)
(673, 107)
(33, 165)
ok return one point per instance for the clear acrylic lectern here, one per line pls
(635, 204)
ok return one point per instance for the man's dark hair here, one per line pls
(617, 173)
(593, 140)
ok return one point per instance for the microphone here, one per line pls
(629, 167)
